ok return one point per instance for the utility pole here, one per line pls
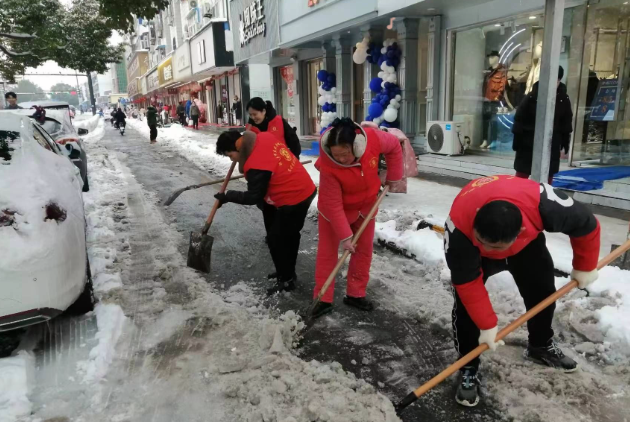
(91, 88)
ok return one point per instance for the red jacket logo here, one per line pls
(373, 162)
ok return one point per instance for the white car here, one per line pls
(43, 260)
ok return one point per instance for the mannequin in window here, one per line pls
(494, 84)
(534, 72)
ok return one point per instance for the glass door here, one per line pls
(312, 109)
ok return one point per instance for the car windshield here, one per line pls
(7, 144)
(53, 127)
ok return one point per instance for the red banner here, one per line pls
(287, 74)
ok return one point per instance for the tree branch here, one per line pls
(18, 36)
(15, 54)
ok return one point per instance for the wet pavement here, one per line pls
(394, 353)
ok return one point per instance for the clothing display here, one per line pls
(494, 83)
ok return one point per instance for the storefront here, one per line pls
(493, 65)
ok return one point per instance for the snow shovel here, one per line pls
(309, 312)
(200, 248)
(178, 192)
(414, 395)
(424, 225)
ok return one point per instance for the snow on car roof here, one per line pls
(16, 122)
(45, 104)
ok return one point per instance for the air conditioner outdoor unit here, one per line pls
(442, 138)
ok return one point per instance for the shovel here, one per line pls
(426, 225)
(200, 248)
(309, 312)
(178, 192)
(414, 395)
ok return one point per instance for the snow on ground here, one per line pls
(14, 386)
(166, 341)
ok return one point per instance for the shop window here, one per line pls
(497, 65)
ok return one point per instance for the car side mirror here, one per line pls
(82, 131)
(75, 154)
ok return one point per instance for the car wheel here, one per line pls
(85, 302)
(9, 341)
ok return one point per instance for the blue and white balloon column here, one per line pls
(326, 100)
(384, 108)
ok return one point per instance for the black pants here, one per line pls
(153, 130)
(195, 120)
(269, 215)
(182, 119)
(283, 236)
(532, 269)
(489, 127)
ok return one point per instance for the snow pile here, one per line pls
(196, 146)
(86, 121)
(14, 386)
(110, 320)
(425, 245)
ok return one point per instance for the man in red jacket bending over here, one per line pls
(496, 224)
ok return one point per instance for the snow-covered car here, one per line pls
(44, 269)
(59, 125)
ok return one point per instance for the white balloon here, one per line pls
(383, 50)
(366, 40)
(391, 70)
(390, 114)
(398, 97)
(333, 90)
(321, 101)
(391, 106)
(384, 67)
(381, 74)
(359, 56)
(391, 78)
(397, 106)
(393, 101)
(383, 83)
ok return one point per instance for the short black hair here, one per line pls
(498, 221)
(227, 142)
(10, 94)
(560, 73)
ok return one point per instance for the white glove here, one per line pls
(584, 278)
(489, 337)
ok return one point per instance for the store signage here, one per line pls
(132, 87)
(252, 22)
(133, 66)
(153, 82)
(603, 106)
(165, 71)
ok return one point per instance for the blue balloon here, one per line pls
(326, 108)
(322, 75)
(321, 132)
(389, 62)
(333, 107)
(369, 118)
(395, 45)
(381, 60)
(331, 78)
(375, 100)
(384, 102)
(391, 54)
(375, 110)
(375, 84)
(325, 86)
(384, 124)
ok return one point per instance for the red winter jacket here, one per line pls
(347, 192)
(542, 208)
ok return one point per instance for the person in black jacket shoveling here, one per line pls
(496, 224)
(274, 175)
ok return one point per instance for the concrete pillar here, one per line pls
(343, 47)
(408, 74)
(370, 70)
(545, 110)
(328, 52)
(177, 18)
(433, 68)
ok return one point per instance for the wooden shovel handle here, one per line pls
(217, 203)
(355, 239)
(515, 324)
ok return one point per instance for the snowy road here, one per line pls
(166, 344)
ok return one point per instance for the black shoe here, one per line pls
(552, 356)
(321, 309)
(272, 276)
(282, 286)
(359, 303)
(468, 388)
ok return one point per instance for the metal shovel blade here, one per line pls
(200, 252)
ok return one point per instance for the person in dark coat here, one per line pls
(120, 117)
(152, 117)
(525, 125)
(181, 113)
(237, 108)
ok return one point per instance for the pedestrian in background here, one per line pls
(194, 115)
(11, 98)
(237, 108)
(152, 117)
(525, 126)
(181, 113)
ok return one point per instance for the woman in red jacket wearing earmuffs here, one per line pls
(348, 188)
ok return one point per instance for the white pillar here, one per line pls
(545, 110)
(408, 74)
(343, 54)
(433, 68)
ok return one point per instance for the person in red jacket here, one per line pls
(348, 188)
(276, 176)
(496, 224)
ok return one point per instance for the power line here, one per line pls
(53, 74)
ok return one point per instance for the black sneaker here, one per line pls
(468, 388)
(359, 303)
(321, 309)
(282, 286)
(552, 356)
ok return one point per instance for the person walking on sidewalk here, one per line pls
(181, 113)
(237, 108)
(152, 118)
(348, 188)
(525, 126)
(276, 176)
(194, 115)
(496, 224)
